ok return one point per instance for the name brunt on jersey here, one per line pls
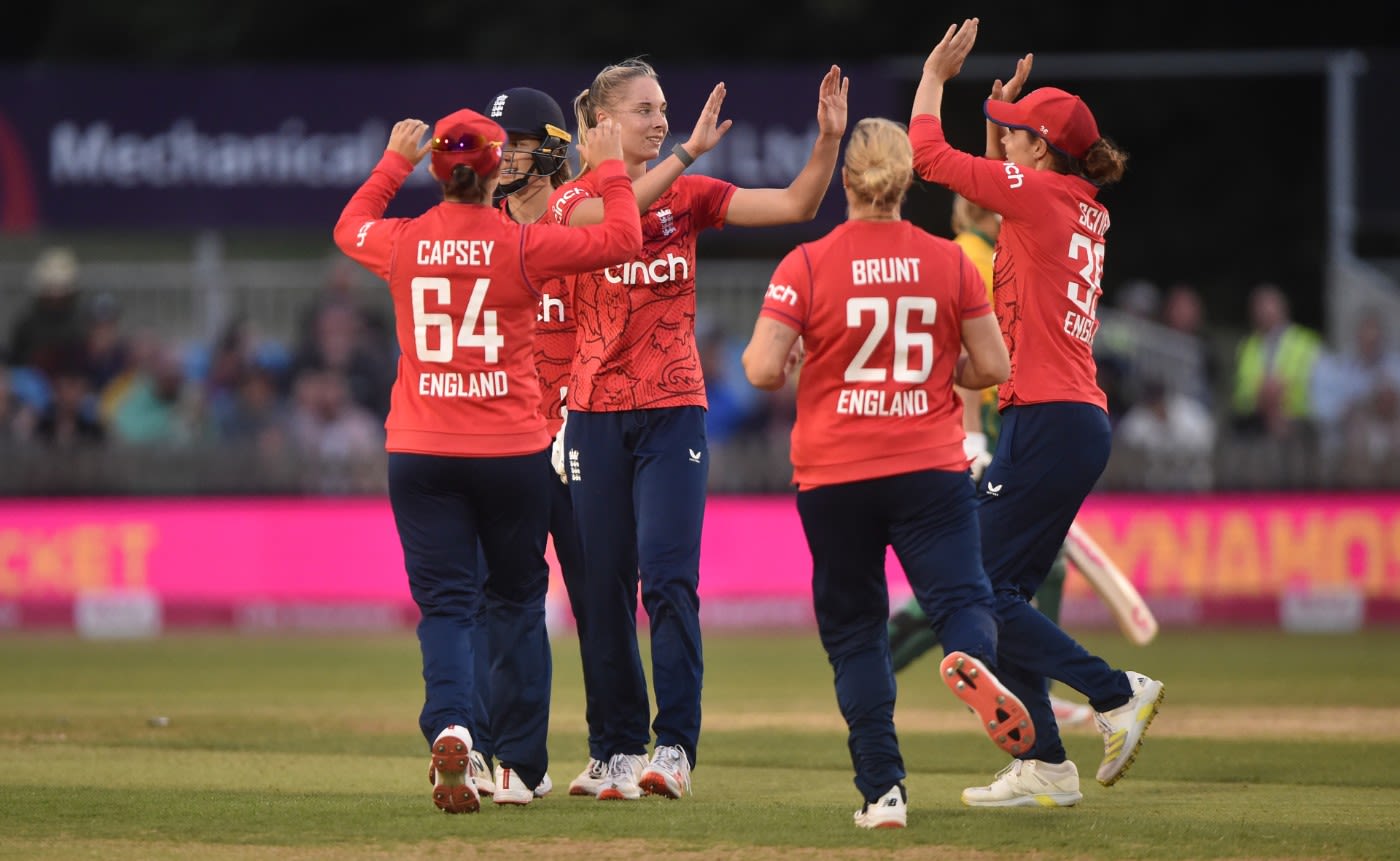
(910, 317)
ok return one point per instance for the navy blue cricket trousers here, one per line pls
(442, 507)
(929, 518)
(1048, 458)
(638, 481)
(570, 557)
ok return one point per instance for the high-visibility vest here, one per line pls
(1298, 350)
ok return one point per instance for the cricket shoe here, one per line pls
(545, 787)
(1071, 714)
(510, 789)
(668, 773)
(1028, 783)
(1002, 713)
(481, 774)
(590, 779)
(890, 810)
(624, 770)
(1124, 727)
(453, 789)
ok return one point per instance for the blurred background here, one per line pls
(181, 339)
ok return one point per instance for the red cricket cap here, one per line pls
(1060, 118)
(466, 137)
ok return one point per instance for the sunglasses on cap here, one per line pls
(469, 142)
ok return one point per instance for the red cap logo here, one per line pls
(1061, 119)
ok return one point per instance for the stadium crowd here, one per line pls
(78, 376)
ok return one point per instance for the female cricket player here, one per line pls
(883, 310)
(1046, 163)
(467, 441)
(634, 449)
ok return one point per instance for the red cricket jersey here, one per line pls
(879, 305)
(465, 289)
(635, 345)
(1049, 262)
(554, 340)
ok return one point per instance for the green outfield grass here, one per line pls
(1268, 746)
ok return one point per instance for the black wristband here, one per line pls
(679, 152)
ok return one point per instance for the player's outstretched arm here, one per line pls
(765, 207)
(943, 63)
(1007, 92)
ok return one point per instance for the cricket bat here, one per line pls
(1134, 617)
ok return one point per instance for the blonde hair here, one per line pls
(603, 94)
(879, 162)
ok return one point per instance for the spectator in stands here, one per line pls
(1175, 433)
(255, 414)
(1117, 342)
(736, 408)
(71, 419)
(340, 343)
(1183, 311)
(342, 441)
(156, 405)
(107, 349)
(1273, 370)
(1356, 394)
(17, 416)
(51, 329)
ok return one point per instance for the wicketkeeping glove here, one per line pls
(556, 454)
(975, 447)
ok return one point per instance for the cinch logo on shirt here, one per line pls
(551, 309)
(659, 271)
(781, 293)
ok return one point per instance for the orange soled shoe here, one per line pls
(1001, 712)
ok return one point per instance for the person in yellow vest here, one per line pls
(1273, 368)
(975, 229)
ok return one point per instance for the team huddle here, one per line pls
(550, 387)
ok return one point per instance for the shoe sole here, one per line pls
(1043, 799)
(894, 823)
(453, 790)
(657, 784)
(1001, 712)
(615, 795)
(577, 789)
(1151, 709)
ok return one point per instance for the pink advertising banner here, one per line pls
(755, 567)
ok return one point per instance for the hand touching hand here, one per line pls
(603, 142)
(831, 103)
(1011, 90)
(946, 59)
(406, 139)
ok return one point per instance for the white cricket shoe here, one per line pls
(510, 789)
(1028, 783)
(1123, 727)
(590, 779)
(891, 810)
(481, 774)
(668, 773)
(451, 770)
(624, 769)
(546, 786)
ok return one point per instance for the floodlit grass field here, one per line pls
(1269, 746)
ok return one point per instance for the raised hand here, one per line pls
(708, 128)
(406, 139)
(604, 141)
(831, 103)
(946, 59)
(1011, 90)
